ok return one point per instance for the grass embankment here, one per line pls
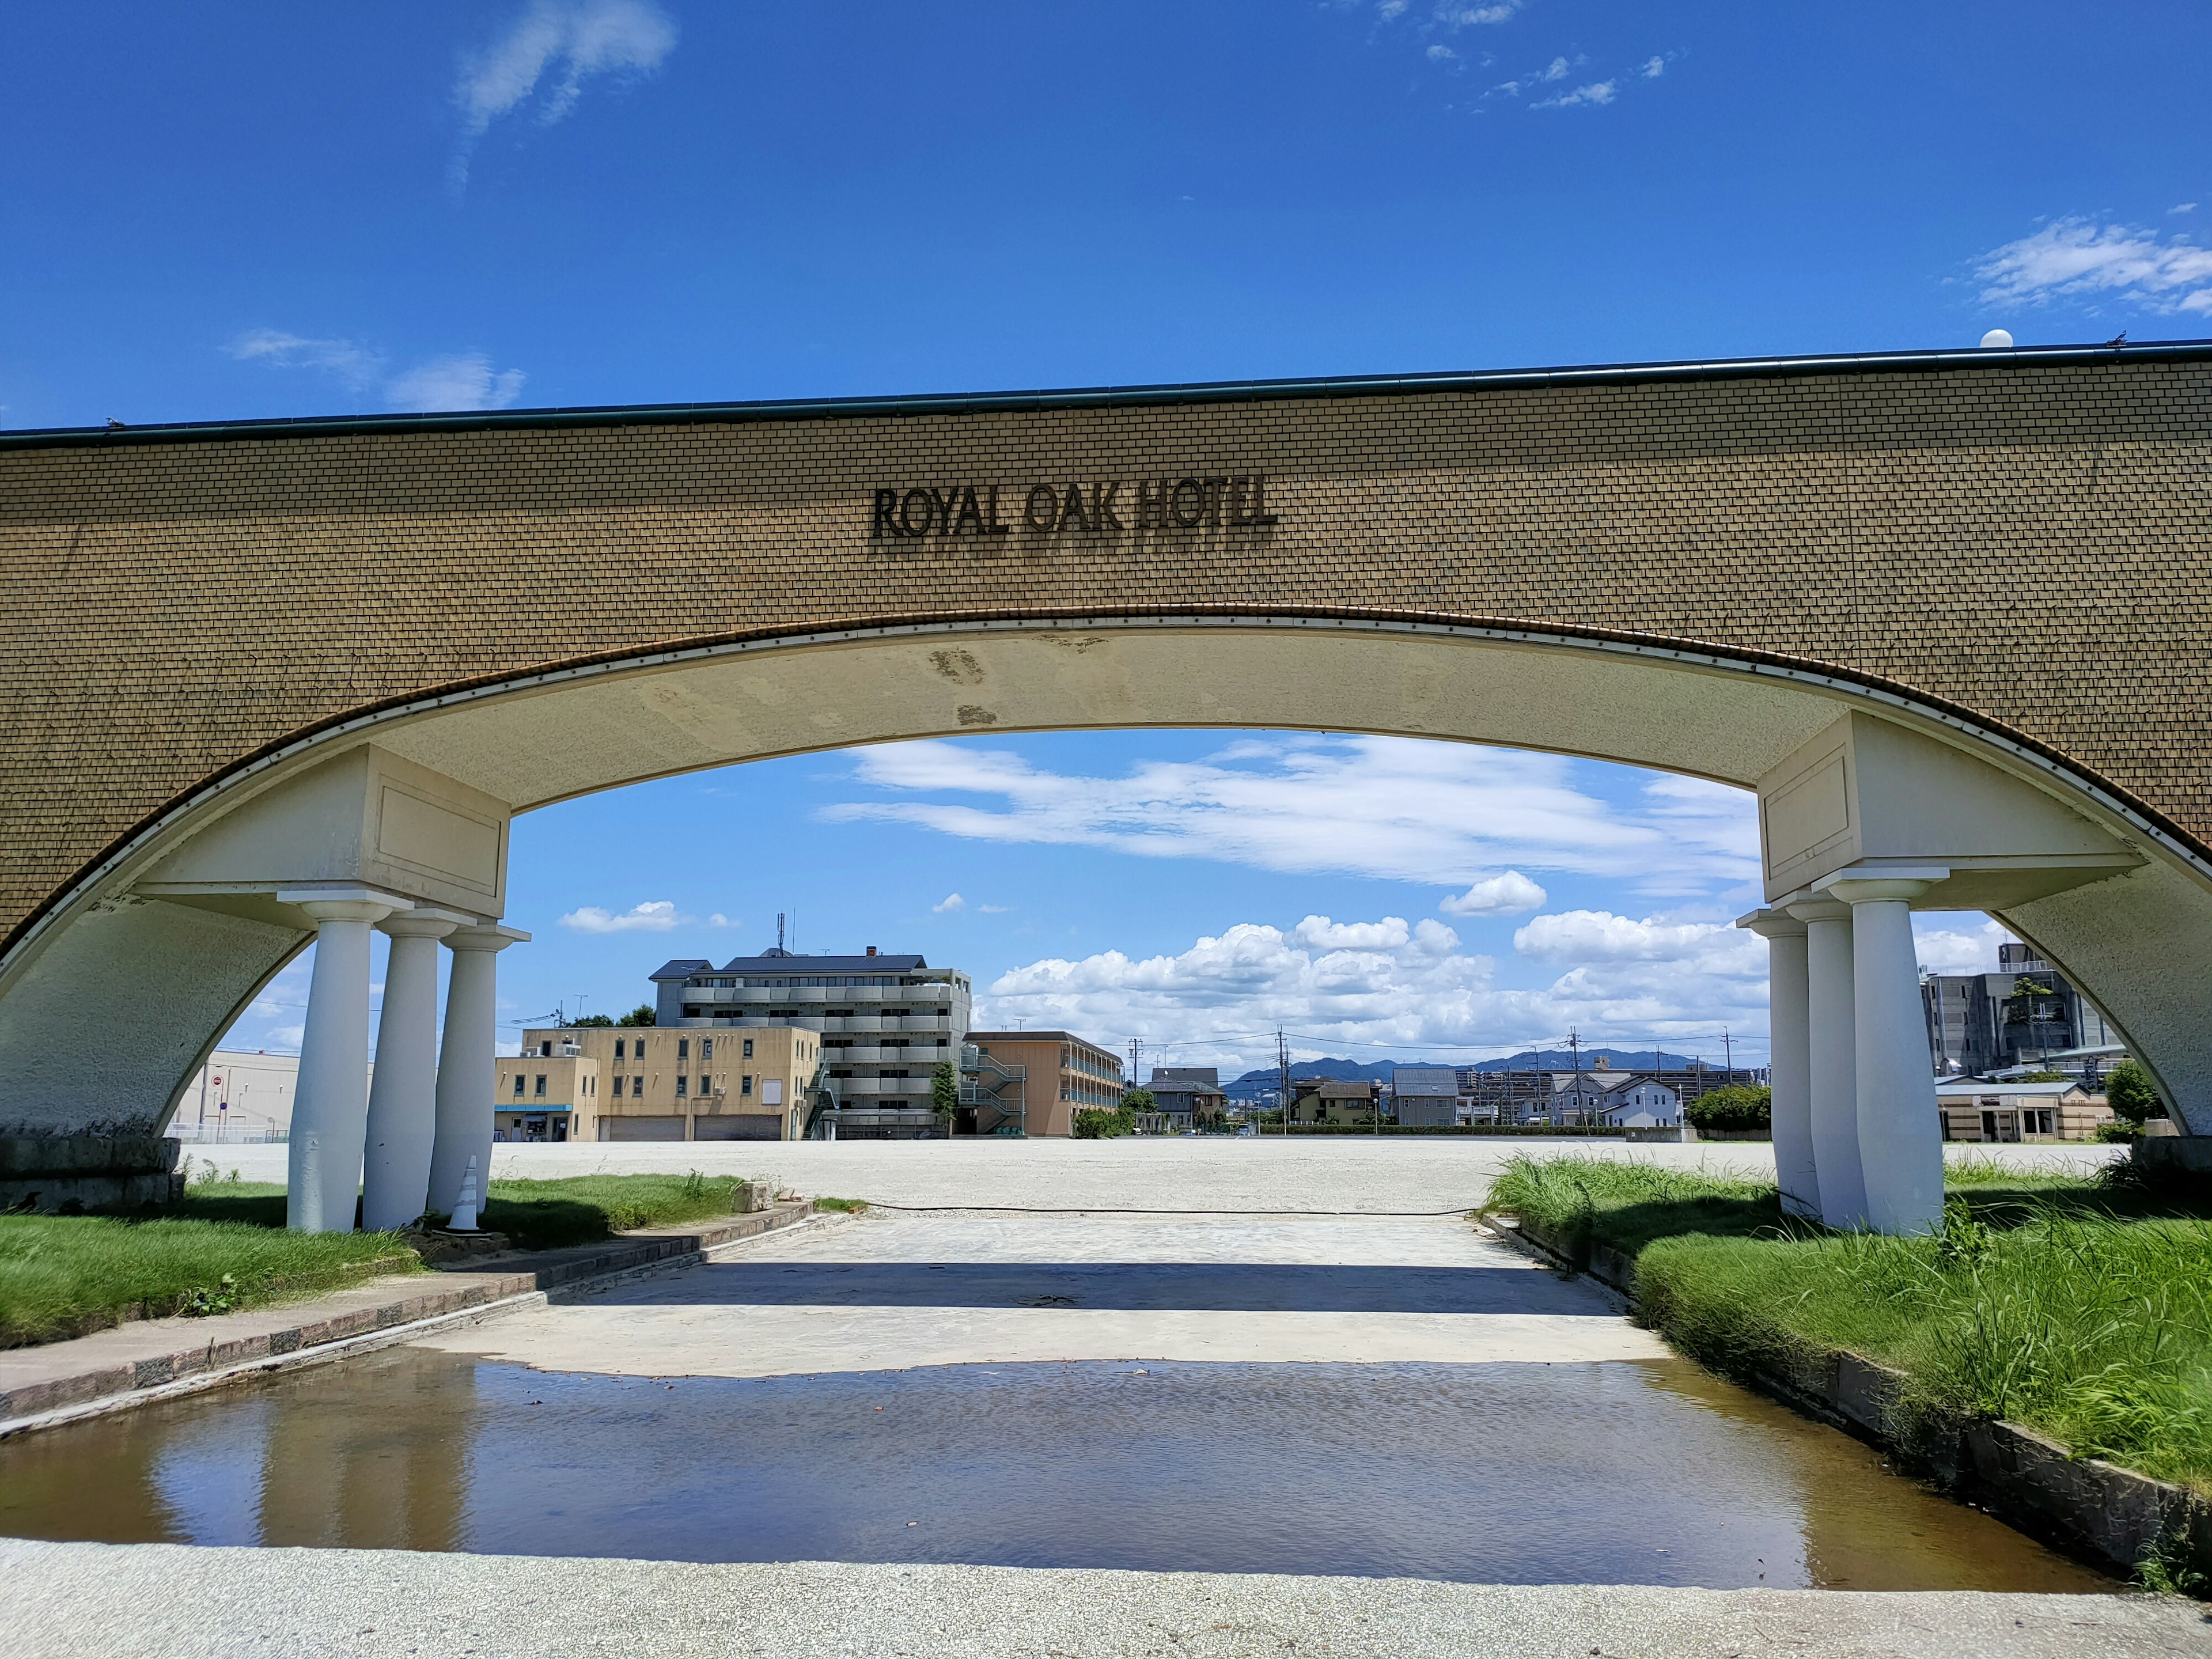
(225, 1248)
(2082, 1308)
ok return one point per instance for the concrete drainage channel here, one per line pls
(129, 1365)
(2094, 1510)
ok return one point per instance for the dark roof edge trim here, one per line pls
(1218, 392)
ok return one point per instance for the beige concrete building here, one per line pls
(2020, 1111)
(1033, 1083)
(629, 1083)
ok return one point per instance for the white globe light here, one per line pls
(1998, 340)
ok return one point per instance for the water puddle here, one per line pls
(1645, 1472)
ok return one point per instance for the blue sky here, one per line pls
(229, 210)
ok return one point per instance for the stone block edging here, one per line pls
(2085, 1506)
(99, 1389)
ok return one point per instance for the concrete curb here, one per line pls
(100, 1389)
(2085, 1506)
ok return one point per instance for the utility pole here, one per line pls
(1283, 1071)
(1728, 1057)
(1136, 1053)
(1575, 1047)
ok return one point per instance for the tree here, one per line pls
(1139, 1100)
(2132, 1094)
(944, 1092)
(1737, 1107)
(641, 1015)
(591, 1020)
(1102, 1123)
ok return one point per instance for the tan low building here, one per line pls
(641, 1083)
(1335, 1099)
(2020, 1111)
(1033, 1083)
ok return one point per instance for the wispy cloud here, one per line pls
(557, 45)
(463, 381)
(653, 916)
(1441, 814)
(1598, 92)
(2080, 259)
(357, 365)
(952, 901)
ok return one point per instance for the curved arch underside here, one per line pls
(180, 973)
(1706, 569)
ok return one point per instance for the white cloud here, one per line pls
(1499, 895)
(468, 381)
(994, 909)
(952, 901)
(281, 1039)
(1653, 69)
(357, 365)
(718, 920)
(1442, 54)
(1335, 985)
(1389, 10)
(2075, 258)
(1398, 808)
(1970, 948)
(1598, 92)
(1460, 16)
(2181, 207)
(561, 42)
(1558, 72)
(1600, 936)
(653, 916)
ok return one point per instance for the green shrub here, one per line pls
(2131, 1095)
(1104, 1123)
(1737, 1107)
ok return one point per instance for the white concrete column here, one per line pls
(401, 1112)
(465, 1064)
(1789, 1059)
(330, 1104)
(1900, 1132)
(1832, 1061)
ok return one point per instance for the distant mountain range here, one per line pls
(1252, 1084)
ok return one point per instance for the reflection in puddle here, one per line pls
(1522, 1474)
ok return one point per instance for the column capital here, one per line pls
(485, 936)
(1880, 886)
(348, 902)
(1771, 924)
(1821, 909)
(420, 924)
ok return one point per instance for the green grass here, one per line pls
(63, 1275)
(841, 1205)
(2080, 1307)
(541, 1215)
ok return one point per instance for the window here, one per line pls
(618, 1048)
(703, 1090)
(538, 1088)
(683, 1087)
(518, 1085)
(749, 1048)
(707, 1051)
(618, 1083)
(637, 1087)
(683, 1048)
(745, 1084)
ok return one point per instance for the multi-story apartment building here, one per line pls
(885, 1023)
(625, 1082)
(2017, 1016)
(1033, 1083)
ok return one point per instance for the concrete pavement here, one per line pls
(166, 1602)
(886, 1291)
(1212, 1172)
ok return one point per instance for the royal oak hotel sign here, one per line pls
(1216, 501)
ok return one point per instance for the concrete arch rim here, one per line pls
(2054, 771)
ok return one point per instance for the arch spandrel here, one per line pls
(1688, 568)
